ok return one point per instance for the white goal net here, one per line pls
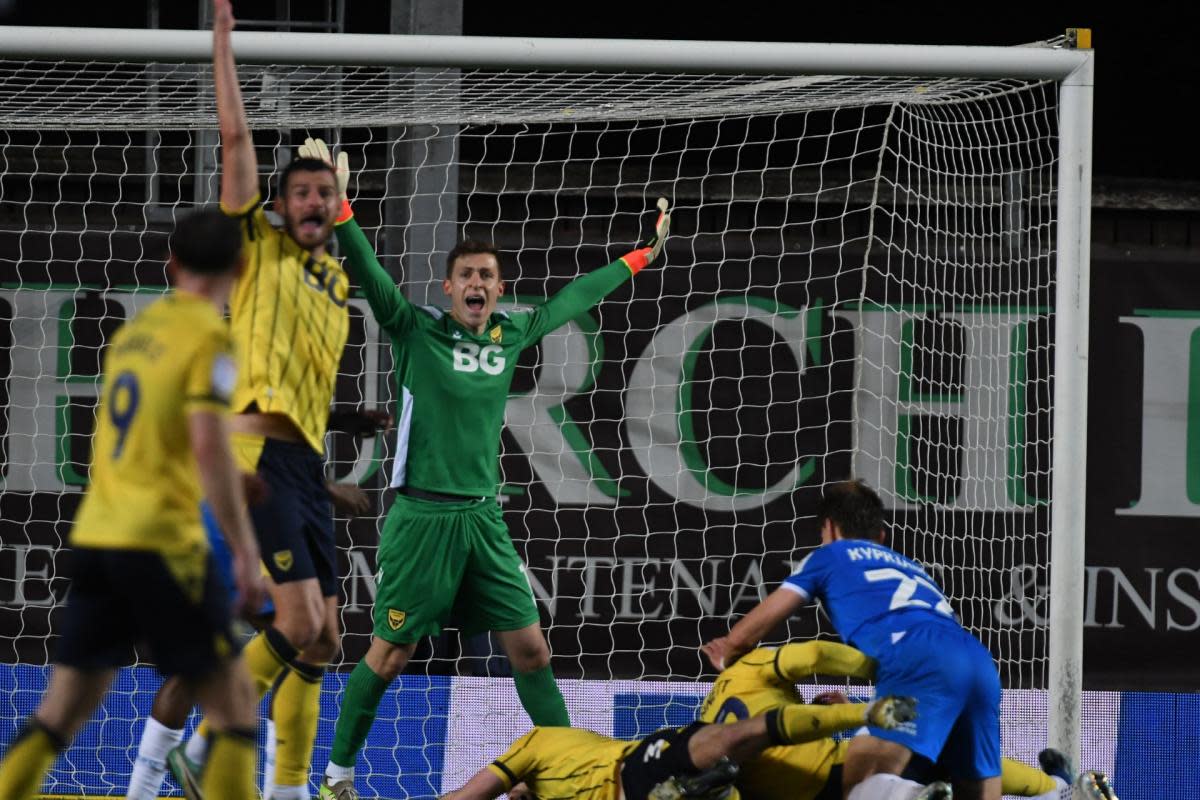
(860, 281)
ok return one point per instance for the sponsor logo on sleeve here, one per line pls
(224, 376)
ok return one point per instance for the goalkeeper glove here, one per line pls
(639, 258)
(318, 150)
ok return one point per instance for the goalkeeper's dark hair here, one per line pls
(854, 507)
(470, 247)
(207, 242)
(302, 165)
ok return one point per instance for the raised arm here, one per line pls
(239, 166)
(391, 308)
(750, 629)
(796, 661)
(584, 292)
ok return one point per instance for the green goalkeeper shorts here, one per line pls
(442, 563)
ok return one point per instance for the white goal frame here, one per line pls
(1072, 69)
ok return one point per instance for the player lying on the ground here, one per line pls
(887, 606)
(445, 550)
(142, 569)
(766, 678)
(698, 760)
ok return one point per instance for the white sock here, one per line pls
(290, 793)
(197, 748)
(1054, 794)
(151, 765)
(337, 773)
(269, 761)
(881, 786)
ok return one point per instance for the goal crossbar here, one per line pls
(593, 55)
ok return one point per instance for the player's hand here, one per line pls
(645, 254)
(891, 712)
(521, 791)
(348, 499)
(379, 420)
(248, 580)
(316, 148)
(833, 698)
(361, 421)
(223, 21)
(721, 652)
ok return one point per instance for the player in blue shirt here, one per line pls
(888, 606)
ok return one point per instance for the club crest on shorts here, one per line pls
(283, 559)
(396, 619)
(495, 334)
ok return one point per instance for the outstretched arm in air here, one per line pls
(239, 166)
(584, 292)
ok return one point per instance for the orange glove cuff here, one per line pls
(637, 260)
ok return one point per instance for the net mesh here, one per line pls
(859, 281)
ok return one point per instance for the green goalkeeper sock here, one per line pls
(541, 698)
(360, 703)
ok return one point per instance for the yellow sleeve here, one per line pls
(794, 662)
(254, 220)
(799, 723)
(211, 375)
(517, 762)
(1020, 779)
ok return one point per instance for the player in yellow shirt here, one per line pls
(142, 567)
(765, 678)
(698, 760)
(290, 321)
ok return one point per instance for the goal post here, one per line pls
(1067, 527)
(877, 250)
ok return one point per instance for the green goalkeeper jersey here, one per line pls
(452, 384)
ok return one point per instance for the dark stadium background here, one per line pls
(1147, 77)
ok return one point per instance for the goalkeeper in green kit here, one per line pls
(444, 550)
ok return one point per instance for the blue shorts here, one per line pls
(222, 558)
(954, 680)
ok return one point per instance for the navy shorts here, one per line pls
(175, 606)
(294, 522)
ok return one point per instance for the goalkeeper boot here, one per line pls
(1056, 765)
(891, 712)
(938, 790)
(185, 772)
(1095, 786)
(337, 790)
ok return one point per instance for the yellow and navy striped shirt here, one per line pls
(562, 763)
(290, 323)
(172, 359)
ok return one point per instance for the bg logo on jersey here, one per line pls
(469, 357)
